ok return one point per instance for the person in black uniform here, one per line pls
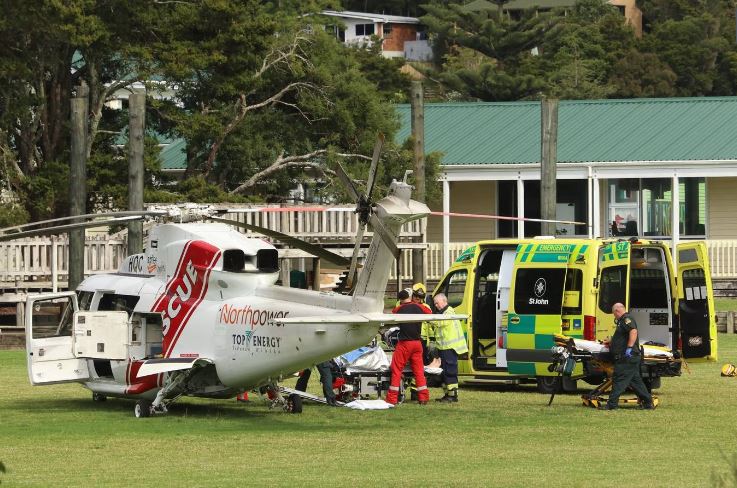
(625, 348)
(326, 378)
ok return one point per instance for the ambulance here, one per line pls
(519, 293)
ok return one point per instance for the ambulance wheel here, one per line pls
(548, 384)
(142, 409)
(294, 403)
(97, 397)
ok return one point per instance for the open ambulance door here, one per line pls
(613, 287)
(60, 339)
(696, 303)
(535, 307)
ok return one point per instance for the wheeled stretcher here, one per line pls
(657, 361)
(365, 374)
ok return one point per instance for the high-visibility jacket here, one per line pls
(450, 333)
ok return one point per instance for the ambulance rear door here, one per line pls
(613, 287)
(696, 303)
(535, 306)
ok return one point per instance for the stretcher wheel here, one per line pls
(548, 385)
(651, 383)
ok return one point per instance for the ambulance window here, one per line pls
(454, 287)
(539, 291)
(648, 288)
(572, 298)
(613, 287)
(694, 285)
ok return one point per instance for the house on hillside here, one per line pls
(661, 168)
(628, 8)
(400, 36)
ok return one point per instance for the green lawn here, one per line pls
(56, 436)
(725, 304)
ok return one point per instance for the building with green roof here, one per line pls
(618, 162)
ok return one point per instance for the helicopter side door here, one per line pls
(49, 321)
(60, 339)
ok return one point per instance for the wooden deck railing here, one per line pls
(42, 262)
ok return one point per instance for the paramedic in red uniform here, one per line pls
(409, 348)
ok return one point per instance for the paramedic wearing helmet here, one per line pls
(626, 351)
(451, 342)
(408, 349)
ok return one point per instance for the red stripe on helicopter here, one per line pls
(136, 385)
(185, 291)
(176, 272)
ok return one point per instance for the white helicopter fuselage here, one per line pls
(199, 313)
(208, 309)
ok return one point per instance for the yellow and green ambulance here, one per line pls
(519, 293)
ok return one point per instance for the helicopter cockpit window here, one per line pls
(267, 260)
(114, 302)
(234, 260)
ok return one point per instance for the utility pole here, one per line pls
(418, 159)
(78, 181)
(548, 160)
(136, 124)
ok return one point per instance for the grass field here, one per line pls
(56, 436)
(725, 304)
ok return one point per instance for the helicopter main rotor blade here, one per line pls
(354, 257)
(124, 213)
(379, 228)
(59, 229)
(347, 182)
(313, 249)
(374, 165)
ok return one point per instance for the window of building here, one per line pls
(572, 204)
(643, 207)
(364, 29)
(387, 30)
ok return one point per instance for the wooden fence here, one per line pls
(42, 262)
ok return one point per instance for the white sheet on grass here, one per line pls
(369, 405)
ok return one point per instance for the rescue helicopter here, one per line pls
(199, 313)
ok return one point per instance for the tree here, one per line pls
(578, 55)
(251, 81)
(486, 56)
(692, 48)
(279, 97)
(49, 48)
